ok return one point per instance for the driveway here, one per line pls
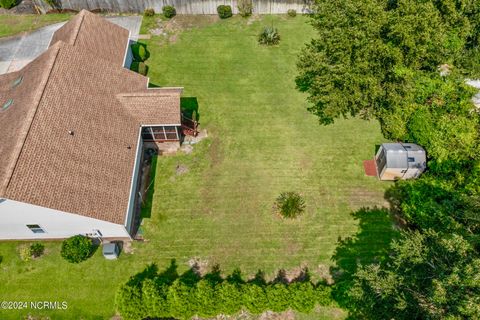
(16, 52)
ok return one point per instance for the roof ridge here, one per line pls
(76, 31)
(56, 49)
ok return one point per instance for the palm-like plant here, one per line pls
(269, 36)
(290, 204)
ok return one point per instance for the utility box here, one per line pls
(110, 250)
(396, 161)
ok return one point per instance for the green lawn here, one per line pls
(14, 24)
(262, 141)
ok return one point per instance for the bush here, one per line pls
(77, 248)
(155, 295)
(139, 67)
(37, 249)
(169, 11)
(224, 11)
(292, 12)
(140, 52)
(245, 8)
(25, 253)
(269, 36)
(7, 4)
(290, 204)
(149, 12)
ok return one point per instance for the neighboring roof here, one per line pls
(89, 172)
(397, 154)
(101, 37)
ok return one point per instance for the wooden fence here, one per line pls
(182, 6)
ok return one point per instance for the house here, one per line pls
(73, 126)
(400, 161)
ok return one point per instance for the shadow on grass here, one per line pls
(146, 211)
(189, 106)
(193, 275)
(370, 245)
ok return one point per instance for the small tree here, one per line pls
(292, 12)
(37, 249)
(224, 11)
(245, 8)
(290, 204)
(149, 12)
(77, 248)
(269, 36)
(169, 11)
(140, 52)
(25, 253)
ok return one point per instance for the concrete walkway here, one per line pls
(16, 52)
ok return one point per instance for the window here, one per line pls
(7, 104)
(17, 81)
(411, 159)
(35, 228)
(147, 134)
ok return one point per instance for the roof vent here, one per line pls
(7, 104)
(129, 147)
(17, 81)
(70, 132)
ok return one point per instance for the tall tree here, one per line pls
(429, 276)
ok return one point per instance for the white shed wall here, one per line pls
(14, 217)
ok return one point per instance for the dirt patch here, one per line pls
(186, 148)
(199, 266)
(359, 197)
(170, 29)
(253, 18)
(181, 169)
(185, 22)
(324, 272)
(127, 247)
(269, 315)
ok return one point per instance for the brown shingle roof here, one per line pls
(89, 32)
(165, 111)
(87, 173)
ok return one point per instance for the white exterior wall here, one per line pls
(14, 217)
(133, 187)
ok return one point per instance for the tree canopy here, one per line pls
(405, 63)
(394, 61)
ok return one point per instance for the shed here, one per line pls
(400, 161)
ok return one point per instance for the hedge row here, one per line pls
(153, 298)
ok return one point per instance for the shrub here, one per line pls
(169, 11)
(140, 52)
(224, 11)
(290, 204)
(139, 67)
(25, 253)
(303, 296)
(37, 249)
(269, 36)
(245, 8)
(149, 12)
(292, 12)
(77, 248)
(7, 4)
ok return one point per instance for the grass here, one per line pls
(13, 24)
(261, 142)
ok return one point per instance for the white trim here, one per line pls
(160, 125)
(126, 50)
(132, 186)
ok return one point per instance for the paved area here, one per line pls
(16, 52)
